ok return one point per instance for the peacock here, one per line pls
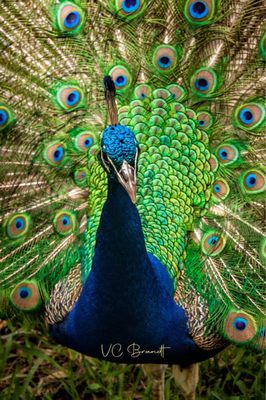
(132, 177)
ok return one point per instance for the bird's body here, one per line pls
(136, 288)
(180, 274)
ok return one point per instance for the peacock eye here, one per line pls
(26, 296)
(220, 189)
(55, 153)
(164, 58)
(177, 91)
(17, 226)
(121, 77)
(214, 164)
(250, 116)
(6, 117)
(223, 154)
(240, 323)
(3, 117)
(253, 181)
(142, 91)
(213, 243)
(70, 97)
(204, 82)
(198, 9)
(240, 327)
(70, 18)
(80, 177)
(121, 80)
(227, 154)
(261, 340)
(200, 12)
(73, 98)
(83, 141)
(262, 333)
(65, 222)
(205, 120)
(130, 8)
(246, 116)
(24, 292)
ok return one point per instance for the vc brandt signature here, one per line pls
(134, 349)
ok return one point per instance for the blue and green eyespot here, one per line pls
(121, 76)
(6, 117)
(164, 62)
(262, 333)
(213, 243)
(204, 82)
(3, 117)
(223, 154)
(121, 81)
(214, 164)
(240, 323)
(198, 9)
(246, 116)
(65, 222)
(252, 181)
(142, 91)
(84, 141)
(24, 292)
(81, 176)
(178, 92)
(261, 338)
(250, 116)
(17, 226)
(70, 18)
(220, 189)
(228, 154)
(70, 97)
(26, 296)
(129, 8)
(200, 12)
(164, 58)
(55, 153)
(205, 119)
(240, 327)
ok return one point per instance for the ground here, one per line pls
(32, 366)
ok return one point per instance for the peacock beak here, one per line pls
(127, 178)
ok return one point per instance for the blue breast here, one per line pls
(126, 312)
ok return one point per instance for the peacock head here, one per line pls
(119, 156)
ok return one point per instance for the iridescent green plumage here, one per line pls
(191, 89)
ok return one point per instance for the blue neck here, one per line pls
(120, 233)
(120, 251)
